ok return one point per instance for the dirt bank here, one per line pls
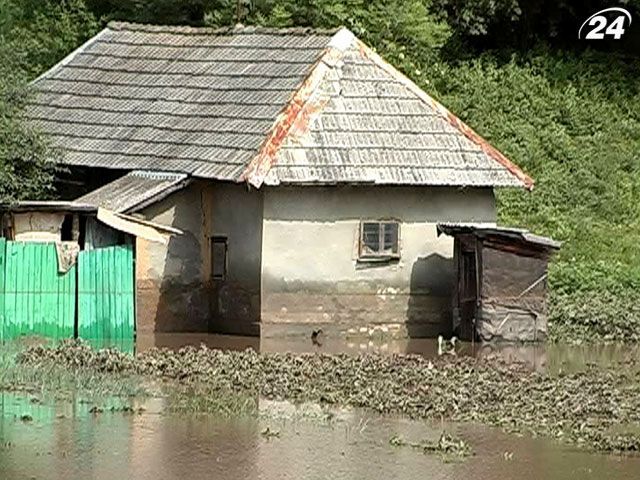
(598, 409)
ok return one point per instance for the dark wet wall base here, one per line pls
(235, 309)
(172, 307)
(389, 315)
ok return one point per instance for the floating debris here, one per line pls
(447, 444)
(268, 433)
(589, 408)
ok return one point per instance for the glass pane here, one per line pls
(371, 237)
(390, 237)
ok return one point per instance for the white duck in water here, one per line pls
(446, 348)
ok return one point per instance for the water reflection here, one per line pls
(66, 441)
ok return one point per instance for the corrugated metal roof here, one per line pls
(135, 190)
(482, 230)
(255, 104)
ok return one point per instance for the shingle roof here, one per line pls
(259, 105)
(135, 190)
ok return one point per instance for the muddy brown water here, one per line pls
(66, 441)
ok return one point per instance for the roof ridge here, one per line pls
(296, 113)
(237, 29)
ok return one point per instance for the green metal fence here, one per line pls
(106, 293)
(38, 301)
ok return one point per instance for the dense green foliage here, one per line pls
(496, 23)
(573, 122)
(34, 34)
(569, 116)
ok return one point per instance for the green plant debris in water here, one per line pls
(598, 408)
(60, 381)
(270, 433)
(203, 397)
(447, 445)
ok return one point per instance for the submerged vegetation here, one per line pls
(57, 381)
(597, 409)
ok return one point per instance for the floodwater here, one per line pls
(66, 441)
(541, 357)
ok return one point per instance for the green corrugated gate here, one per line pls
(37, 299)
(3, 247)
(106, 293)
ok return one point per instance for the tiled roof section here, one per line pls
(199, 101)
(288, 106)
(371, 124)
(134, 190)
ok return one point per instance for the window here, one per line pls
(379, 240)
(219, 258)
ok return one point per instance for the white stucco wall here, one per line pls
(310, 268)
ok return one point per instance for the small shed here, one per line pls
(500, 292)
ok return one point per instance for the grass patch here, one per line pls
(204, 398)
(53, 381)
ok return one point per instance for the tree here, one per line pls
(33, 36)
(523, 23)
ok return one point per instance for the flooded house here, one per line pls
(306, 174)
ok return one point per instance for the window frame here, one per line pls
(379, 256)
(224, 240)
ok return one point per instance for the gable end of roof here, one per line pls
(310, 156)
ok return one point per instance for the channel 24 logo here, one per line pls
(607, 23)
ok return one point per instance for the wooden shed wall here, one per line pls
(512, 295)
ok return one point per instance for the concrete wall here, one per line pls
(237, 215)
(173, 289)
(37, 226)
(311, 275)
